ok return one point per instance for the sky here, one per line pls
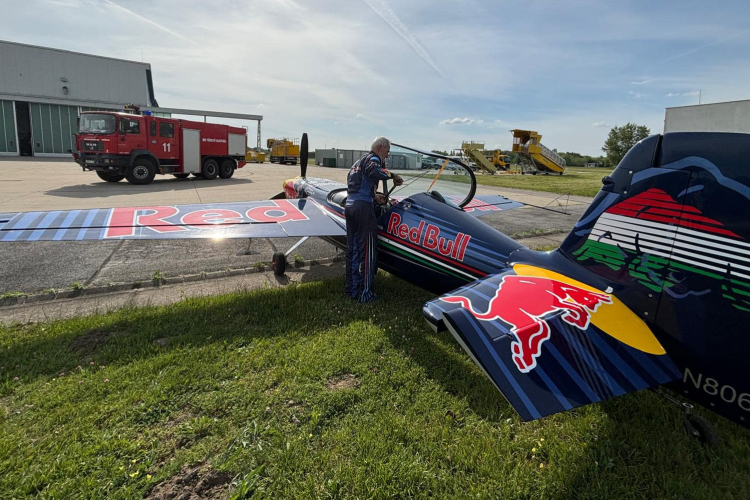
(423, 73)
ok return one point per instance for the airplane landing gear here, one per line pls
(697, 427)
(279, 263)
(700, 428)
(279, 258)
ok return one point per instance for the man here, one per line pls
(361, 226)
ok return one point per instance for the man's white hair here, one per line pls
(380, 142)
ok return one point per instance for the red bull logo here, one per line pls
(524, 303)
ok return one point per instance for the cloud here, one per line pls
(384, 11)
(600, 124)
(641, 82)
(146, 20)
(696, 49)
(684, 94)
(460, 121)
(636, 95)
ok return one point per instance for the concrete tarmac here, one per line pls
(34, 184)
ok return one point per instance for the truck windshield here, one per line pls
(97, 124)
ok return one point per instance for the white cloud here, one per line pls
(461, 121)
(684, 94)
(641, 82)
(600, 124)
(386, 13)
(146, 20)
(636, 95)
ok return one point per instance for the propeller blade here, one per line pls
(303, 154)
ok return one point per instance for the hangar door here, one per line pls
(8, 142)
(52, 127)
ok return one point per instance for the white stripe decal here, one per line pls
(642, 222)
(675, 257)
(425, 257)
(678, 245)
(666, 232)
(647, 246)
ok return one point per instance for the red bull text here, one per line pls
(524, 302)
(428, 236)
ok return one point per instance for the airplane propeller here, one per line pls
(303, 154)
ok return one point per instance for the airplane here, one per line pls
(651, 288)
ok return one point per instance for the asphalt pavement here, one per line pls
(30, 267)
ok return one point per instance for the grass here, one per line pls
(578, 181)
(108, 406)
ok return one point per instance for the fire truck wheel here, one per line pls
(279, 263)
(142, 172)
(182, 176)
(210, 169)
(227, 169)
(106, 176)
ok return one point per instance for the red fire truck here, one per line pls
(136, 147)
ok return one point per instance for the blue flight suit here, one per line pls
(361, 226)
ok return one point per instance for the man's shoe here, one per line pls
(373, 298)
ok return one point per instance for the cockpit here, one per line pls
(445, 179)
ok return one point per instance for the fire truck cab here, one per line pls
(137, 147)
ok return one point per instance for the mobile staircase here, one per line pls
(527, 143)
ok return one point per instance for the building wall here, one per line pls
(36, 73)
(719, 117)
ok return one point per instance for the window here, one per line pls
(166, 129)
(128, 126)
(96, 123)
(152, 128)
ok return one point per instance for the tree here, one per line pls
(437, 151)
(621, 139)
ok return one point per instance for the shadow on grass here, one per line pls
(630, 447)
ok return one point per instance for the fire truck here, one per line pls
(136, 147)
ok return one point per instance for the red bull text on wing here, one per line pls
(523, 302)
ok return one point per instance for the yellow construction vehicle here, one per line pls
(527, 143)
(497, 158)
(475, 151)
(255, 156)
(284, 150)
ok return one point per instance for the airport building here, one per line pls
(732, 116)
(44, 90)
(345, 158)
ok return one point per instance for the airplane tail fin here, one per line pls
(669, 231)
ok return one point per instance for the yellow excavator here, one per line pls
(527, 143)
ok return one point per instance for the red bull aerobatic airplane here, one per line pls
(651, 287)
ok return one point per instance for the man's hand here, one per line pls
(397, 180)
(380, 199)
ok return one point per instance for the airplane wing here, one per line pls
(256, 219)
(486, 204)
(550, 343)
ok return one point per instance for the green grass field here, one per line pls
(578, 181)
(300, 393)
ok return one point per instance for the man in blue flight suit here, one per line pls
(361, 226)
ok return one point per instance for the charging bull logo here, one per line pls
(524, 303)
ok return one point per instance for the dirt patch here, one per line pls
(346, 381)
(91, 341)
(192, 483)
